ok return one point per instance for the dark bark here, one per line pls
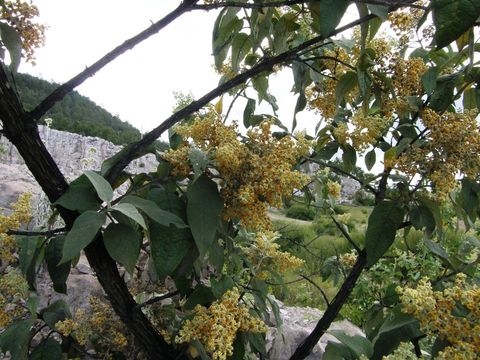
(23, 133)
(306, 347)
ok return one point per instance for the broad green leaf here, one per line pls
(429, 79)
(30, 250)
(16, 339)
(421, 217)
(358, 344)
(374, 26)
(349, 157)
(452, 18)
(32, 304)
(130, 211)
(203, 211)
(123, 244)
(338, 351)
(257, 341)
(370, 159)
(55, 312)
(83, 231)
(103, 188)
(301, 103)
(379, 10)
(248, 112)
(79, 196)
(328, 151)
(436, 249)
(202, 295)
(13, 42)
(220, 286)
(383, 223)
(260, 84)
(48, 349)
(345, 84)
(469, 197)
(170, 246)
(154, 212)
(241, 45)
(225, 28)
(443, 95)
(331, 12)
(53, 255)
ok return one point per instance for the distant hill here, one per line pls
(75, 113)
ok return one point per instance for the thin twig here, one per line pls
(325, 298)
(46, 233)
(155, 299)
(345, 234)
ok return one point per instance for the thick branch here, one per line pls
(267, 64)
(60, 92)
(48, 233)
(306, 347)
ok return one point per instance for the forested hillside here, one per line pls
(75, 113)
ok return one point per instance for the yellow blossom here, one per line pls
(216, 326)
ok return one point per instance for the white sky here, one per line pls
(138, 86)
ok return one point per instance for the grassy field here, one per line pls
(317, 241)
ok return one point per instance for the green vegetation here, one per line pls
(75, 113)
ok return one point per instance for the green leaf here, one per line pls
(53, 255)
(202, 295)
(16, 339)
(349, 157)
(28, 257)
(225, 28)
(13, 42)
(123, 244)
(330, 14)
(79, 196)
(47, 350)
(55, 312)
(429, 79)
(358, 344)
(257, 341)
(383, 223)
(102, 187)
(248, 112)
(203, 211)
(379, 10)
(169, 245)
(452, 18)
(154, 212)
(469, 197)
(338, 351)
(328, 151)
(241, 45)
(301, 103)
(370, 159)
(421, 217)
(130, 211)
(222, 285)
(345, 84)
(443, 95)
(83, 232)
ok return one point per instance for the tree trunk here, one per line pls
(23, 134)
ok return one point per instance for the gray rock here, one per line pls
(297, 324)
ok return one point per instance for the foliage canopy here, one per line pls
(404, 101)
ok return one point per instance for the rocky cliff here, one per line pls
(73, 153)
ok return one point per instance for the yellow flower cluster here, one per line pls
(216, 326)
(406, 20)
(19, 216)
(265, 253)
(321, 97)
(348, 259)
(365, 130)
(434, 311)
(334, 189)
(407, 76)
(22, 15)
(98, 326)
(13, 292)
(452, 145)
(254, 174)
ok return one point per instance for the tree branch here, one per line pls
(60, 92)
(306, 347)
(345, 234)
(137, 149)
(47, 233)
(236, 4)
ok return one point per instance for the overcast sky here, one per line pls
(138, 86)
